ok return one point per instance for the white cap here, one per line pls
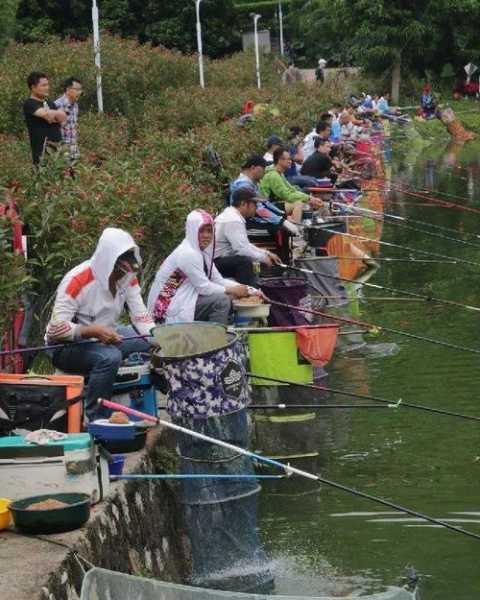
(322, 62)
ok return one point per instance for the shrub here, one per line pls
(142, 165)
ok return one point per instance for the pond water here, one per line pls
(326, 541)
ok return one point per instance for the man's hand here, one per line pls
(316, 203)
(237, 291)
(103, 334)
(273, 259)
(60, 116)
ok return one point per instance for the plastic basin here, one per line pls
(55, 520)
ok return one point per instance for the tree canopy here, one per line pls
(8, 9)
(421, 35)
(162, 22)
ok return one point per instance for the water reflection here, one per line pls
(422, 461)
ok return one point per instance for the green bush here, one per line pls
(143, 163)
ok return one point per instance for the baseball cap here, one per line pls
(274, 139)
(254, 160)
(244, 194)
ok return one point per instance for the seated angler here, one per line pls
(267, 214)
(234, 253)
(274, 185)
(188, 286)
(322, 130)
(89, 303)
(273, 143)
(319, 164)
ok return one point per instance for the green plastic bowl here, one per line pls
(56, 520)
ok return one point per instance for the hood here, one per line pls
(196, 219)
(112, 243)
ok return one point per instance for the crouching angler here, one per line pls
(89, 303)
(188, 286)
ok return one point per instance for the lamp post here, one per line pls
(280, 22)
(96, 50)
(257, 48)
(199, 44)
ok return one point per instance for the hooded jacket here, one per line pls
(188, 272)
(84, 297)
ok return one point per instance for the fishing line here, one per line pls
(390, 289)
(373, 327)
(400, 403)
(407, 248)
(404, 222)
(285, 467)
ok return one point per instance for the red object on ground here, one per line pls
(248, 107)
(317, 344)
(9, 339)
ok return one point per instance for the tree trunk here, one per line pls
(396, 77)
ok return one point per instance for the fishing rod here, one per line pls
(376, 328)
(407, 248)
(404, 222)
(411, 259)
(383, 401)
(59, 346)
(317, 406)
(282, 406)
(284, 467)
(389, 289)
(174, 476)
(438, 201)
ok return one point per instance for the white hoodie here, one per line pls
(84, 297)
(188, 272)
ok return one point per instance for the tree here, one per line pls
(8, 10)
(169, 23)
(389, 35)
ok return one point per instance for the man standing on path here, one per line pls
(72, 90)
(42, 117)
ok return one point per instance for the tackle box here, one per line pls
(73, 464)
(40, 401)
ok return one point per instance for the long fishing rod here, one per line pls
(282, 406)
(318, 406)
(438, 201)
(411, 259)
(404, 222)
(389, 404)
(59, 346)
(372, 327)
(285, 467)
(406, 248)
(175, 476)
(390, 289)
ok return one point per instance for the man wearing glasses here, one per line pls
(69, 104)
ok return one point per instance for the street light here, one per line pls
(199, 44)
(96, 50)
(257, 49)
(280, 20)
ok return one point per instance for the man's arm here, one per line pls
(285, 192)
(50, 115)
(236, 234)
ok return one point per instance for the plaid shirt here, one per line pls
(69, 128)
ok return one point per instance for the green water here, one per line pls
(423, 461)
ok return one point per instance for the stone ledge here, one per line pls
(137, 529)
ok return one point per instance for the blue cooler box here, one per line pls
(133, 388)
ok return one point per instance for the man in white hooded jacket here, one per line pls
(188, 286)
(89, 302)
